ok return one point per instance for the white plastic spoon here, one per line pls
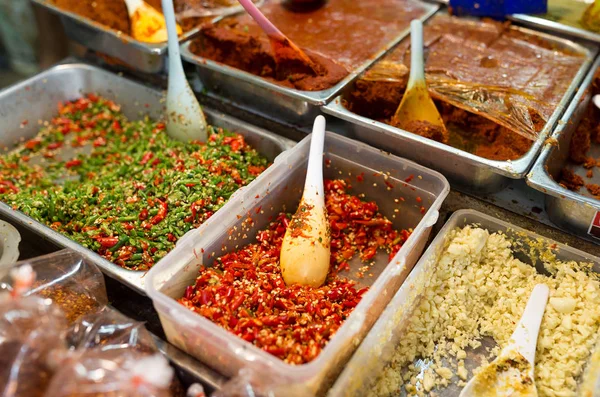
(511, 373)
(147, 23)
(185, 119)
(305, 250)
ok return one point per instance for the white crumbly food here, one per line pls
(479, 289)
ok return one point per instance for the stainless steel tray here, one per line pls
(260, 96)
(144, 57)
(36, 99)
(572, 211)
(465, 171)
(377, 349)
(563, 17)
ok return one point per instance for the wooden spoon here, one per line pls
(147, 24)
(511, 373)
(185, 119)
(305, 251)
(416, 104)
(285, 51)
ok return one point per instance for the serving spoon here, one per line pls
(416, 104)
(284, 49)
(185, 119)
(511, 373)
(305, 250)
(147, 23)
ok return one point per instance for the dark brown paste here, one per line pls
(487, 54)
(255, 55)
(585, 135)
(339, 37)
(427, 130)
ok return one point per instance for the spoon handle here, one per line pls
(313, 186)
(265, 24)
(417, 71)
(527, 330)
(175, 65)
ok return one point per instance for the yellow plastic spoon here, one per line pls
(416, 104)
(305, 250)
(147, 23)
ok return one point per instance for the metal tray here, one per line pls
(24, 104)
(465, 171)
(144, 57)
(260, 96)
(572, 211)
(377, 349)
(563, 17)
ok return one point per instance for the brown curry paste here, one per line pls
(485, 53)
(338, 37)
(586, 134)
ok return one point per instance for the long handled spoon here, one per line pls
(283, 48)
(511, 373)
(416, 104)
(147, 24)
(305, 250)
(185, 119)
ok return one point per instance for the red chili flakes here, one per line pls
(73, 163)
(360, 177)
(245, 293)
(409, 179)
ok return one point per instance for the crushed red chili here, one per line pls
(244, 291)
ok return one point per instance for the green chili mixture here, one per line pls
(123, 188)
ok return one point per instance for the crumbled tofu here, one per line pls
(480, 289)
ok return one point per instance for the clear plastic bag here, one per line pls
(31, 330)
(71, 282)
(112, 355)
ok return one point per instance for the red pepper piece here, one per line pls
(73, 163)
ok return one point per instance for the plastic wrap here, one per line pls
(72, 283)
(113, 345)
(514, 78)
(113, 373)
(511, 108)
(31, 330)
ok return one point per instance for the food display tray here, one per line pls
(144, 57)
(466, 171)
(258, 95)
(571, 211)
(386, 177)
(378, 347)
(24, 105)
(563, 17)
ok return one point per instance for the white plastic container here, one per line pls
(379, 346)
(9, 244)
(400, 187)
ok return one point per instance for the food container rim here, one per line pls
(557, 27)
(539, 178)
(316, 98)
(153, 48)
(515, 169)
(132, 278)
(387, 319)
(186, 316)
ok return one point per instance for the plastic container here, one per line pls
(379, 345)
(386, 178)
(9, 244)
